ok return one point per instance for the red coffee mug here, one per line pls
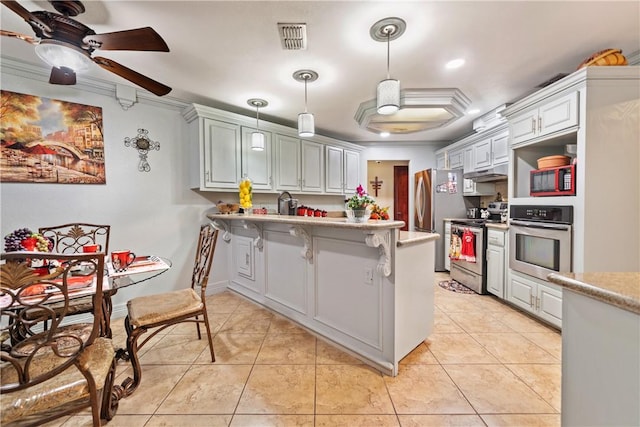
(121, 260)
(91, 248)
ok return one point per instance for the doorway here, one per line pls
(388, 184)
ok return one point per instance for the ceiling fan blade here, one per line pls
(136, 39)
(62, 76)
(26, 15)
(20, 36)
(133, 76)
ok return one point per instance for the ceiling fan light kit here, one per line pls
(67, 45)
(388, 91)
(257, 137)
(306, 121)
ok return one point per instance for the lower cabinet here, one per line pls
(496, 261)
(446, 242)
(542, 299)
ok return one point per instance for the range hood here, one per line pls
(496, 173)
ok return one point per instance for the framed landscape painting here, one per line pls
(50, 141)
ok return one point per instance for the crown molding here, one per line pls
(17, 67)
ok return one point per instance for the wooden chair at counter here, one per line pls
(70, 239)
(159, 311)
(46, 374)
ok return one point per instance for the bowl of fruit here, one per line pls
(378, 212)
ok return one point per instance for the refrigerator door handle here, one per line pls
(420, 202)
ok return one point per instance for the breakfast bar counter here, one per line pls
(365, 287)
(600, 348)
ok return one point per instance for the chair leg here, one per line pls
(110, 397)
(130, 385)
(206, 325)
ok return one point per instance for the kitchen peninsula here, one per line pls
(365, 287)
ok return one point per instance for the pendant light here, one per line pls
(388, 92)
(257, 137)
(306, 122)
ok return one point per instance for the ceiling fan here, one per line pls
(67, 45)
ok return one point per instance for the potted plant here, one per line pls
(358, 207)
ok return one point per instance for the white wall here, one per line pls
(149, 213)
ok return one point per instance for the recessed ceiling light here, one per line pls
(474, 111)
(455, 63)
(384, 134)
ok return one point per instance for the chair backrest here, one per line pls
(29, 283)
(204, 256)
(70, 238)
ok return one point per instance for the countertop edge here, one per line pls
(415, 237)
(303, 220)
(606, 296)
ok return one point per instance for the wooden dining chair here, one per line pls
(45, 374)
(69, 239)
(159, 311)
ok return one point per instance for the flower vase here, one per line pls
(358, 215)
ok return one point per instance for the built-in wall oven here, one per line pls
(540, 239)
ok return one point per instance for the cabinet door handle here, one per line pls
(531, 297)
(533, 124)
(539, 124)
(206, 176)
(246, 258)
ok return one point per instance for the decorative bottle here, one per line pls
(245, 193)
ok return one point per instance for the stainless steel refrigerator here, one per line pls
(438, 195)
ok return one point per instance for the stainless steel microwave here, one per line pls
(558, 181)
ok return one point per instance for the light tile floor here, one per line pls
(486, 364)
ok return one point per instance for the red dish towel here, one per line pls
(468, 251)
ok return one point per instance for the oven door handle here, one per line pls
(543, 225)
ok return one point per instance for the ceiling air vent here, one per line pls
(293, 36)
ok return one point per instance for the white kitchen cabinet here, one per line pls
(468, 159)
(222, 154)
(482, 154)
(500, 148)
(288, 163)
(257, 165)
(351, 171)
(550, 117)
(543, 299)
(496, 261)
(456, 159)
(312, 167)
(447, 242)
(441, 161)
(334, 169)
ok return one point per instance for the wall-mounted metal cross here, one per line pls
(376, 185)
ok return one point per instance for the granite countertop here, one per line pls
(307, 220)
(407, 238)
(619, 289)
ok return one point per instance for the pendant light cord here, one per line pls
(257, 116)
(306, 78)
(388, 31)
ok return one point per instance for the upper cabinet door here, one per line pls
(288, 170)
(222, 157)
(558, 114)
(312, 167)
(257, 164)
(334, 169)
(500, 148)
(351, 171)
(482, 154)
(456, 159)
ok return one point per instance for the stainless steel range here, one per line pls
(468, 263)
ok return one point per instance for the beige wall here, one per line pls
(384, 171)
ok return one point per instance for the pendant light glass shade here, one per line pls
(388, 96)
(306, 121)
(257, 141)
(257, 137)
(306, 125)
